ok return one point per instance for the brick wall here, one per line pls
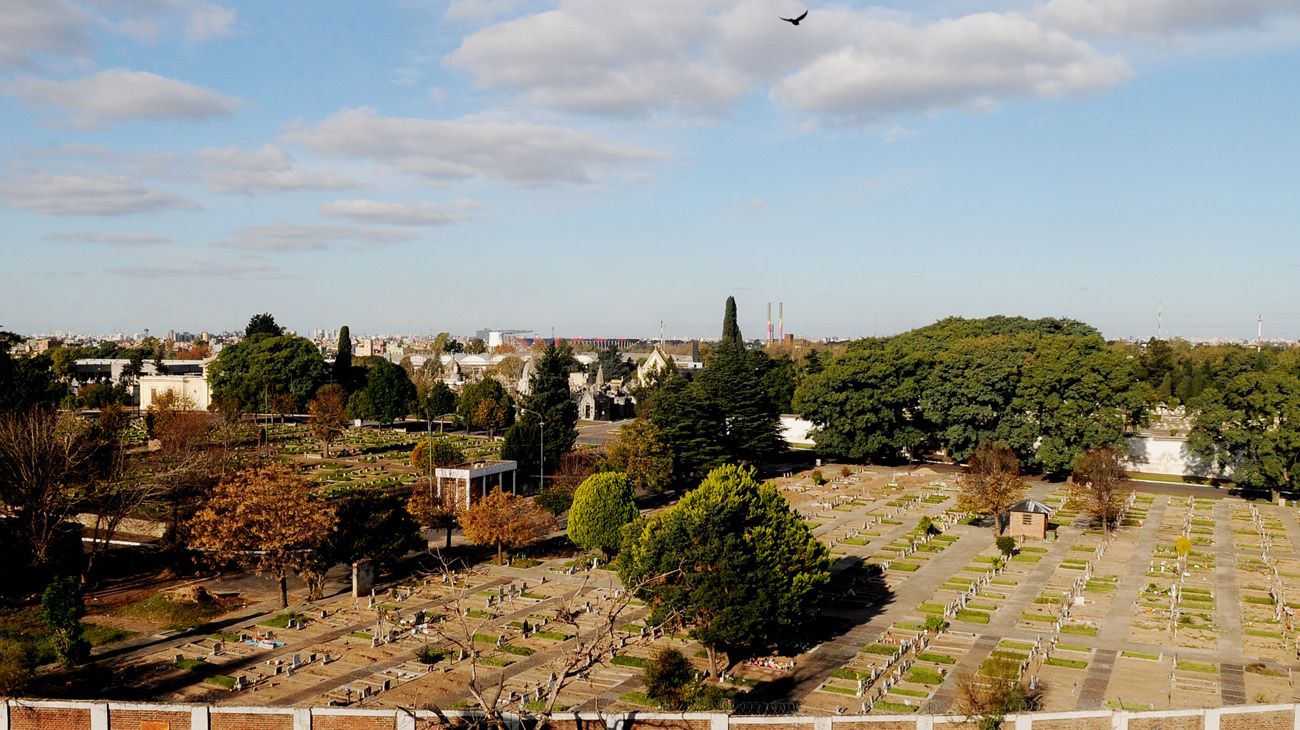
(248, 721)
(51, 715)
(122, 719)
(47, 718)
(1185, 722)
(1276, 720)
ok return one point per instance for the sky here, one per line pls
(593, 167)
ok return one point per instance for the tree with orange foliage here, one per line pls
(266, 520)
(992, 482)
(502, 519)
(329, 414)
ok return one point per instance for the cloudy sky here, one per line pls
(595, 166)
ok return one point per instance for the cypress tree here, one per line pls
(343, 360)
(731, 330)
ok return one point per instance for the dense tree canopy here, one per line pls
(388, 390)
(474, 394)
(639, 453)
(731, 561)
(343, 357)
(505, 520)
(550, 398)
(263, 324)
(1248, 427)
(1050, 389)
(251, 372)
(26, 381)
(602, 505)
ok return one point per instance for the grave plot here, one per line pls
(1267, 684)
(1195, 683)
(1265, 562)
(1137, 512)
(1060, 674)
(1140, 681)
(1177, 605)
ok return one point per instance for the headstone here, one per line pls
(363, 578)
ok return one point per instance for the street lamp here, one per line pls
(541, 452)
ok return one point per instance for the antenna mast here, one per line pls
(661, 334)
(1259, 333)
(1160, 320)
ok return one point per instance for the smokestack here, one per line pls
(780, 319)
(769, 323)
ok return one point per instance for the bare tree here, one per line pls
(1100, 483)
(992, 482)
(988, 697)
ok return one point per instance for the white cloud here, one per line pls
(110, 239)
(402, 214)
(207, 20)
(268, 168)
(703, 57)
(33, 29)
(482, 10)
(289, 238)
(441, 150)
(1163, 17)
(199, 269)
(971, 62)
(85, 195)
(118, 94)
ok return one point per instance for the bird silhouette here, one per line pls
(795, 21)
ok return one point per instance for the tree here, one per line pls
(1250, 426)
(642, 456)
(265, 520)
(688, 426)
(329, 415)
(549, 395)
(1006, 545)
(436, 400)
(504, 519)
(602, 505)
(474, 393)
(730, 328)
(343, 357)
(359, 406)
(17, 667)
(738, 564)
(26, 382)
(430, 454)
(1101, 484)
(987, 698)
(370, 524)
(475, 346)
(389, 390)
(430, 509)
(668, 675)
(249, 373)
(491, 415)
(614, 364)
(991, 483)
(63, 606)
(263, 324)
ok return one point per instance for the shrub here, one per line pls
(17, 666)
(1006, 545)
(817, 477)
(667, 676)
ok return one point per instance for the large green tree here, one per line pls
(263, 324)
(343, 357)
(252, 372)
(26, 381)
(602, 505)
(1249, 428)
(549, 397)
(731, 562)
(474, 394)
(389, 390)
(639, 453)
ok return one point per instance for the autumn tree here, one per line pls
(1101, 485)
(602, 505)
(639, 453)
(504, 519)
(474, 394)
(429, 508)
(988, 697)
(491, 415)
(991, 483)
(329, 415)
(266, 520)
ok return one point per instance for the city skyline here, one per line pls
(601, 167)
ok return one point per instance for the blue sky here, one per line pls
(595, 166)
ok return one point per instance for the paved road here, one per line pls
(599, 434)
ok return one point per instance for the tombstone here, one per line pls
(388, 684)
(288, 671)
(297, 660)
(278, 669)
(374, 642)
(178, 659)
(216, 649)
(363, 577)
(370, 602)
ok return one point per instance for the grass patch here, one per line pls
(190, 664)
(1038, 617)
(1079, 630)
(974, 617)
(174, 614)
(924, 675)
(1026, 558)
(908, 692)
(849, 674)
(553, 635)
(931, 608)
(220, 680)
(1140, 655)
(362, 635)
(880, 649)
(904, 567)
(1074, 647)
(1263, 633)
(100, 635)
(493, 661)
(517, 650)
(1205, 667)
(226, 637)
(839, 690)
(1057, 661)
(281, 621)
(637, 698)
(896, 708)
(627, 660)
(1013, 644)
(936, 658)
(1132, 706)
(479, 613)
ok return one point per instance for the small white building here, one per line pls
(469, 482)
(192, 389)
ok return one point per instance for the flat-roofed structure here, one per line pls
(468, 482)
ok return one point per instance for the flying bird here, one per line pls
(795, 21)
